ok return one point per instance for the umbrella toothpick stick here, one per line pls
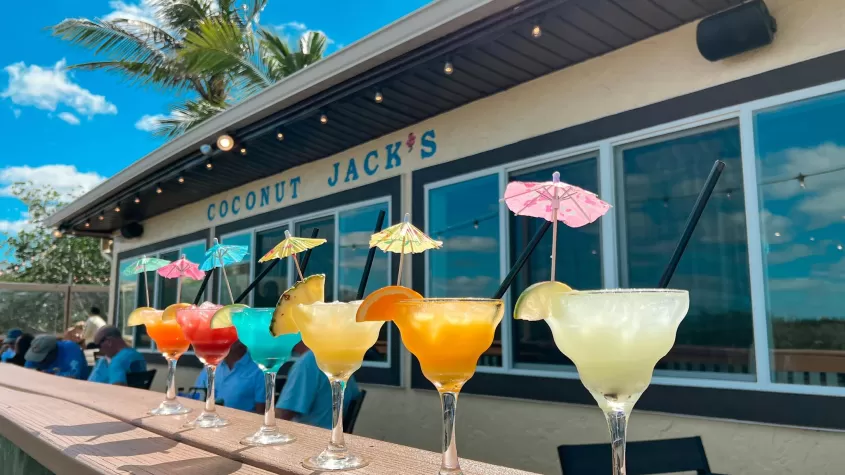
(401, 258)
(178, 289)
(555, 208)
(147, 287)
(298, 269)
(229, 287)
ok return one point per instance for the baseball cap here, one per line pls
(13, 335)
(40, 347)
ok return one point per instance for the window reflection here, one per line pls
(194, 253)
(322, 257)
(465, 216)
(356, 227)
(238, 274)
(801, 169)
(659, 181)
(167, 288)
(276, 281)
(127, 286)
(578, 260)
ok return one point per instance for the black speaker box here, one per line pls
(737, 30)
(132, 231)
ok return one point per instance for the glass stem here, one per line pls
(209, 397)
(450, 464)
(270, 399)
(337, 447)
(170, 395)
(617, 421)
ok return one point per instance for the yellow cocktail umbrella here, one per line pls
(403, 238)
(290, 247)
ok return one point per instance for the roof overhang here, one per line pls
(488, 40)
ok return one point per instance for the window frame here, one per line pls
(741, 115)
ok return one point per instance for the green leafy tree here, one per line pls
(34, 254)
(207, 50)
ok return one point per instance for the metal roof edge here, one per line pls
(402, 36)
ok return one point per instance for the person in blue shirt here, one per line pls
(307, 396)
(238, 382)
(62, 358)
(118, 359)
(7, 351)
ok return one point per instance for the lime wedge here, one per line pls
(536, 302)
(223, 317)
(140, 316)
(307, 291)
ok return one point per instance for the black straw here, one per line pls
(201, 291)
(267, 270)
(307, 256)
(362, 287)
(692, 221)
(517, 266)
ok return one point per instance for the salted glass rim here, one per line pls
(629, 291)
(449, 300)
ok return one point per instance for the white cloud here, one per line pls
(69, 118)
(13, 227)
(47, 88)
(16, 112)
(294, 30)
(149, 123)
(143, 11)
(65, 179)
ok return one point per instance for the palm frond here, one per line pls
(108, 38)
(185, 116)
(165, 76)
(183, 15)
(220, 47)
(312, 45)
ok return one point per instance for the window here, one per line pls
(322, 257)
(237, 274)
(355, 227)
(801, 182)
(194, 253)
(658, 182)
(127, 287)
(167, 288)
(273, 284)
(468, 265)
(578, 259)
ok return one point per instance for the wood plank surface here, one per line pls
(70, 439)
(131, 406)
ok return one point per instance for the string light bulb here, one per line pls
(102, 216)
(379, 97)
(87, 223)
(243, 150)
(208, 165)
(801, 181)
(324, 119)
(137, 199)
(57, 233)
(158, 189)
(181, 179)
(839, 247)
(777, 234)
(448, 68)
(225, 142)
(475, 224)
(117, 207)
(280, 136)
(536, 32)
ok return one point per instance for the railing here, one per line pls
(48, 308)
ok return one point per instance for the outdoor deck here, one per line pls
(76, 427)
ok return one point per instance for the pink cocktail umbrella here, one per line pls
(179, 269)
(555, 201)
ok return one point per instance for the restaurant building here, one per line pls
(434, 114)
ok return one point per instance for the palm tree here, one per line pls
(205, 48)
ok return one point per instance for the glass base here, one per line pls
(207, 420)
(327, 462)
(268, 436)
(170, 408)
(450, 471)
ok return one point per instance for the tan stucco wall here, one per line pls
(524, 434)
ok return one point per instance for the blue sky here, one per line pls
(76, 128)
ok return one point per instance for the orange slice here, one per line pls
(380, 306)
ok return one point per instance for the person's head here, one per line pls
(94, 311)
(11, 336)
(109, 340)
(43, 349)
(236, 352)
(21, 347)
